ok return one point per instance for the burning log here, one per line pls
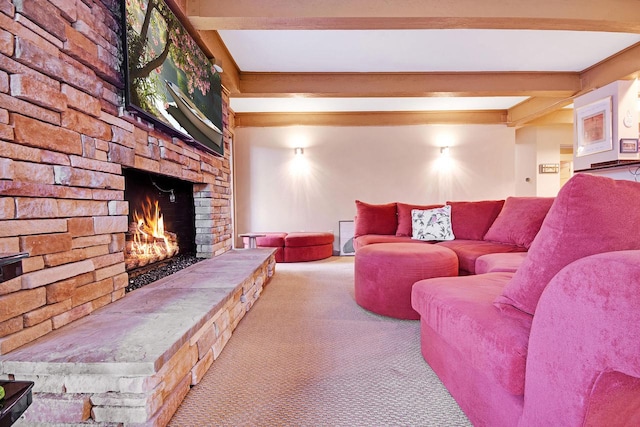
(147, 241)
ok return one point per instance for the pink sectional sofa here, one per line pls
(550, 337)
(390, 257)
(480, 228)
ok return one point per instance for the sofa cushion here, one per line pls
(369, 239)
(519, 220)
(432, 224)
(471, 220)
(468, 251)
(375, 219)
(460, 310)
(404, 217)
(591, 214)
(504, 262)
(301, 239)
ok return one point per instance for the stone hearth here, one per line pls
(105, 370)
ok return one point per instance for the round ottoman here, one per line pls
(385, 273)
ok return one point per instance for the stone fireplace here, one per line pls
(66, 151)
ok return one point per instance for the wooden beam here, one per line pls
(370, 118)
(409, 84)
(558, 117)
(623, 66)
(534, 108)
(582, 15)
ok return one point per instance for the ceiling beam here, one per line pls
(392, 118)
(623, 66)
(534, 108)
(408, 84)
(582, 15)
(558, 117)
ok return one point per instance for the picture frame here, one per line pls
(629, 145)
(346, 231)
(593, 131)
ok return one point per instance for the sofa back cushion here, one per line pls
(591, 214)
(519, 220)
(375, 219)
(471, 220)
(404, 217)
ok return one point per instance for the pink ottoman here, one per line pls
(386, 272)
(308, 246)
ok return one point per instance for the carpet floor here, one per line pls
(307, 355)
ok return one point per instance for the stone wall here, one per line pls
(63, 145)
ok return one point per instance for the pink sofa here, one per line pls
(551, 338)
(480, 228)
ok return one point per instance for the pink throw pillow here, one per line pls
(375, 219)
(404, 217)
(591, 214)
(519, 220)
(471, 220)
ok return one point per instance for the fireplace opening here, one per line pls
(161, 232)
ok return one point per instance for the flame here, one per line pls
(150, 240)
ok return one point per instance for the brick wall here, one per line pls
(63, 145)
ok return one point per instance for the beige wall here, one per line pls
(275, 191)
(534, 146)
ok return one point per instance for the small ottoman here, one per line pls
(309, 246)
(386, 272)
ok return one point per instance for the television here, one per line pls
(169, 81)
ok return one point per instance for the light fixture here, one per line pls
(217, 64)
(444, 151)
(298, 151)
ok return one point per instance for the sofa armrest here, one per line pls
(583, 362)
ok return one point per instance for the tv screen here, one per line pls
(168, 78)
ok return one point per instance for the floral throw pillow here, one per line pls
(432, 224)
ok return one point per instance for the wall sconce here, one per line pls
(444, 151)
(298, 151)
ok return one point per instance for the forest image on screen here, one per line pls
(169, 79)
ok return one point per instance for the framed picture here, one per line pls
(346, 229)
(594, 128)
(629, 145)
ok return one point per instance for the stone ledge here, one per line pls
(129, 361)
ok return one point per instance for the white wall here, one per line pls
(275, 191)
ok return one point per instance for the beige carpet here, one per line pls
(307, 355)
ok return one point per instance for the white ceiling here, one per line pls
(452, 50)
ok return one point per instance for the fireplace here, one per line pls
(161, 220)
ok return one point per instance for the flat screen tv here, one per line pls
(168, 78)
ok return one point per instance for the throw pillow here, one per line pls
(471, 220)
(519, 220)
(591, 214)
(375, 219)
(405, 220)
(432, 224)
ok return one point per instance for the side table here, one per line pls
(252, 238)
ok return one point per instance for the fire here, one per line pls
(150, 241)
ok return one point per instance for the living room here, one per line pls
(68, 144)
